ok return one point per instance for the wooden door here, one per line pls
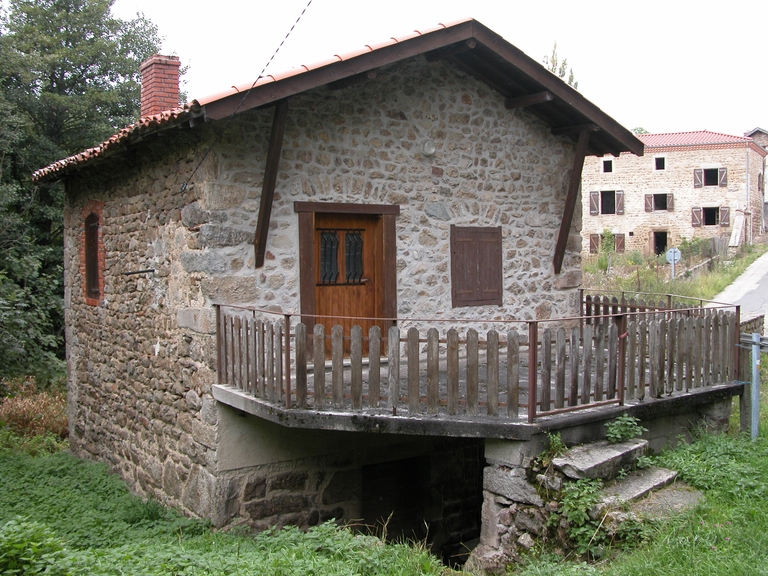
(348, 273)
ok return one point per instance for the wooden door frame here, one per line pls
(307, 272)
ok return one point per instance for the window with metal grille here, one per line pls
(330, 243)
(92, 288)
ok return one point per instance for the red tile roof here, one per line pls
(567, 107)
(699, 138)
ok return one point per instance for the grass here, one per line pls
(634, 273)
(62, 515)
(727, 535)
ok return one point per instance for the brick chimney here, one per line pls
(159, 84)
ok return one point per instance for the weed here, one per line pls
(30, 412)
(555, 447)
(623, 428)
(643, 462)
(28, 547)
(579, 499)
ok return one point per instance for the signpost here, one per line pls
(673, 257)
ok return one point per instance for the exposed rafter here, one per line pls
(528, 100)
(569, 130)
(570, 200)
(352, 80)
(270, 178)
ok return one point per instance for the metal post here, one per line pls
(533, 345)
(755, 385)
(218, 343)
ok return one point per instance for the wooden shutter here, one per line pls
(594, 243)
(696, 216)
(619, 202)
(725, 216)
(619, 242)
(698, 177)
(759, 182)
(722, 176)
(476, 266)
(594, 203)
(670, 202)
(649, 202)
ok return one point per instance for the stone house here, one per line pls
(432, 175)
(689, 184)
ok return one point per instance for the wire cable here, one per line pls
(245, 95)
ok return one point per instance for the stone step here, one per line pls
(600, 459)
(635, 485)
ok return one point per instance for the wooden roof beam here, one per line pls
(572, 130)
(270, 179)
(458, 48)
(528, 100)
(570, 200)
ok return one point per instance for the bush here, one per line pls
(29, 412)
(623, 428)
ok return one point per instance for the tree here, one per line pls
(69, 78)
(560, 69)
(639, 130)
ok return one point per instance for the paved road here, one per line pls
(750, 290)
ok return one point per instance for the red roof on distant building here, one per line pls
(699, 138)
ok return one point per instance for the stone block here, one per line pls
(294, 481)
(202, 320)
(513, 452)
(510, 483)
(599, 459)
(255, 488)
(203, 261)
(282, 504)
(489, 521)
(222, 196)
(231, 289)
(218, 236)
(192, 215)
(530, 520)
(570, 279)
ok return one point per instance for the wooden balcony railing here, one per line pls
(616, 352)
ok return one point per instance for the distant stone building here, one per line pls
(688, 184)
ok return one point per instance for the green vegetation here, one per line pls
(623, 428)
(726, 535)
(62, 515)
(69, 78)
(632, 272)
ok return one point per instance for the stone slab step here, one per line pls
(636, 484)
(600, 459)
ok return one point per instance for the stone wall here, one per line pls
(636, 176)
(142, 360)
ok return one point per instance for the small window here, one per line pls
(607, 165)
(660, 163)
(608, 202)
(92, 284)
(711, 216)
(476, 266)
(710, 177)
(659, 201)
(352, 257)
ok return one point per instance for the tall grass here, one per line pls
(634, 273)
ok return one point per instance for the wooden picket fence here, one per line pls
(626, 352)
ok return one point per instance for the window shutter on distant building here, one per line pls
(649, 202)
(722, 176)
(620, 202)
(696, 217)
(594, 243)
(670, 202)
(594, 203)
(725, 216)
(619, 242)
(698, 177)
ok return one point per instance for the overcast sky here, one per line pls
(668, 66)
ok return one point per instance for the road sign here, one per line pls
(673, 255)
